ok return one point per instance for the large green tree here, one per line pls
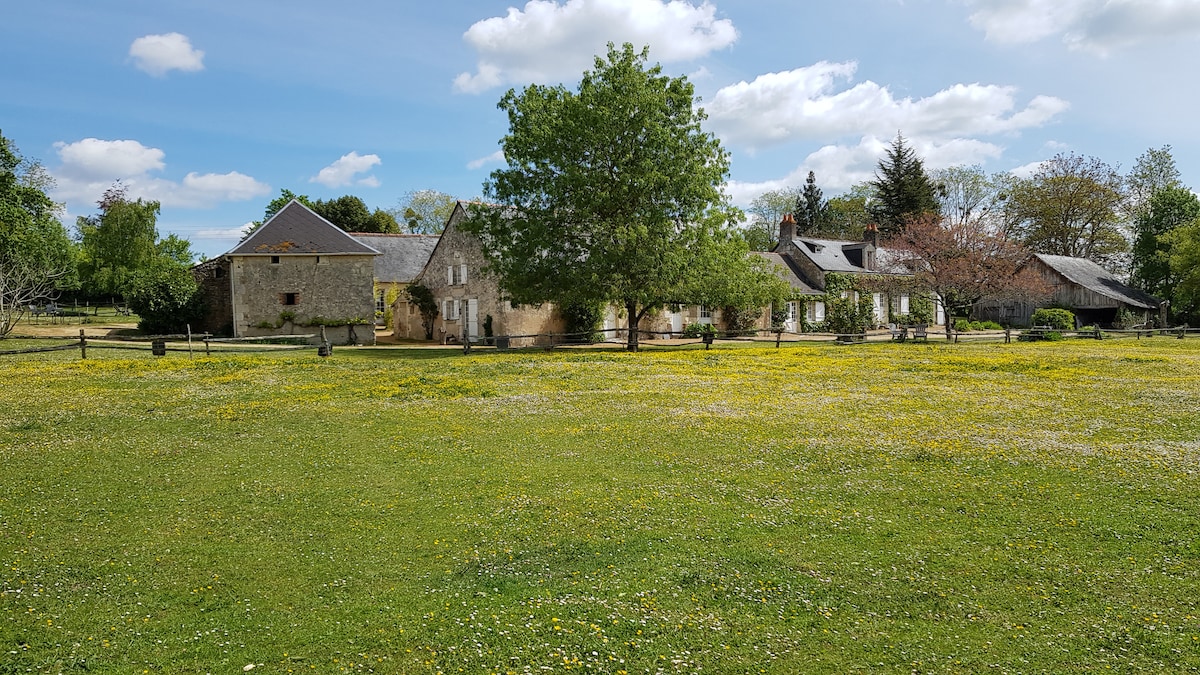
(1154, 170)
(116, 242)
(766, 211)
(967, 193)
(1184, 261)
(36, 254)
(425, 211)
(351, 214)
(1167, 210)
(903, 190)
(348, 212)
(613, 194)
(847, 215)
(1072, 205)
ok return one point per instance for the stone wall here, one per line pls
(213, 277)
(283, 297)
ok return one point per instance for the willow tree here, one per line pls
(613, 194)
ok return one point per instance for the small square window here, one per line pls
(274, 260)
(291, 298)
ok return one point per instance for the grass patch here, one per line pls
(939, 508)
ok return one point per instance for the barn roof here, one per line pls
(1095, 278)
(297, 230)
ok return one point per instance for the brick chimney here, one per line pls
(871, 235)
(787, 229)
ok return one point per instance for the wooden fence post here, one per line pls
(82, 345)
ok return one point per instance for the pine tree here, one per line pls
(810, 206)
(903, 190)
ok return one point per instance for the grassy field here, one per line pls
(880, 508)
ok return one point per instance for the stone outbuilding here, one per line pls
(294, 275)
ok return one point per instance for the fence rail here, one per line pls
(159, 345)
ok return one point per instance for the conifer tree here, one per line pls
(903, 191)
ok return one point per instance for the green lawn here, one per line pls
(1032, 507)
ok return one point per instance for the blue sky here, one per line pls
(211, 106)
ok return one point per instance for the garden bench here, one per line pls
(899, 333)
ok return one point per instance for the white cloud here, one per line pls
(838, 167)
(496, 157)
(1097, 26)
(548, 42)
(806, 104)
(93, 158)
(160, 54)
(343, 171)
(1026, 170)
(90, 166)
(233, 233)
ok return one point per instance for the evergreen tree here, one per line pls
(811, 207)
(903, 190)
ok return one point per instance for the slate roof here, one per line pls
(296, 230)
(1095, 278)
(829, 255)
(788, 272)
(403, 255)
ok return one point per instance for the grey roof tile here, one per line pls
(296, 230)
(403, 255)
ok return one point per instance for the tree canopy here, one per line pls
(348, 212)
(1184, 261)
(1167, 210)
(116, 242)
(613, 194)
(36, 254)
(903, 191)
(1072, 206)
(425, 211)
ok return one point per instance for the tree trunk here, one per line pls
(634, 319)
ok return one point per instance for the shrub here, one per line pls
(422, 297)
(582, 320)
(695, 330)
(166, 298)
(1061, 319)
(740, 320)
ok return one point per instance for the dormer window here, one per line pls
(814, 246)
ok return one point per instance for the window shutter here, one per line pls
(462, 276)
(450, 275)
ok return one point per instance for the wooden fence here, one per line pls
(159, 345)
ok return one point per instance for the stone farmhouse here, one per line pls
(806, 262)
(294, 275)
(1091, 292)
(470, 305)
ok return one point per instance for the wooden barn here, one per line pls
(1080, 285)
